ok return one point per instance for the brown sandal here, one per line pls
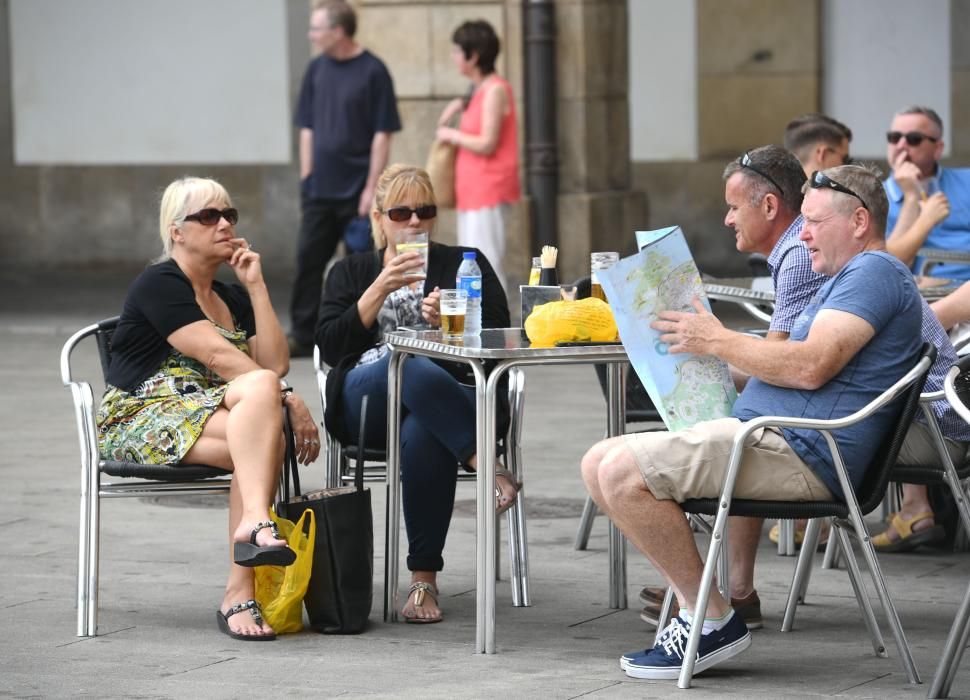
(503, 502)
(419, 590)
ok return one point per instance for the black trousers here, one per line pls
(321, 228)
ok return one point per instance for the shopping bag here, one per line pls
(280, 589)
(441, 170)
(340, 593)
(570, 321)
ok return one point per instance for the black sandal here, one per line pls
(253, 607)
(251, 554)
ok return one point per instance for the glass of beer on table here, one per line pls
(597, 263)
(453, 302)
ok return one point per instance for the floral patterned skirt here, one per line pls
(161, 419)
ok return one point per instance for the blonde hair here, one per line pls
(397, 184)
(179, 197)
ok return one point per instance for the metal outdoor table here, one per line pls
(944, 255)
(741, 291)
(507, 347)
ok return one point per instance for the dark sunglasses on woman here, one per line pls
(424, 212)
(210, 216)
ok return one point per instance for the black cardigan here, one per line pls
(342, 337)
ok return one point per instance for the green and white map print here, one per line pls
(685, 388)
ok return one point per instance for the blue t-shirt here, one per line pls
(344, 103)
(879, 289)
(953, 233)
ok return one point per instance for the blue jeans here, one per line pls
(437, 434)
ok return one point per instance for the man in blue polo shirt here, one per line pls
(346, 114)
(929, 205)
(857, 336)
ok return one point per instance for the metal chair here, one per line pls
(339, 458)
(847, 517)
(956, 388)
(944, 472)
(138, 480)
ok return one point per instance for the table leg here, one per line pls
(615, 423)
(392, 521)
(485, 517)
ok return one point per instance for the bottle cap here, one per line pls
(468, 255)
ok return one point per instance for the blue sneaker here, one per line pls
(632, 656)
(664, 660)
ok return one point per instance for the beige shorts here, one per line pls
(692, 463)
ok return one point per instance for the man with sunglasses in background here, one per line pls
(858, 336)
(929, 205)
(346, 114)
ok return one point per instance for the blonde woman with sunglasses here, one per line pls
(369, 294)
(194, 378)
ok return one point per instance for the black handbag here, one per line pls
(341, 590)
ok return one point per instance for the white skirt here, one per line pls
(485, 229)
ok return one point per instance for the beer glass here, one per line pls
(597, 263)
(453, 304)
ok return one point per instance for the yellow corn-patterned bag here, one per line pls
(280, 589)
(565, 321)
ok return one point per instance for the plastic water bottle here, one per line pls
(469, 278)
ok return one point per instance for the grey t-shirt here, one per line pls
(879, 289)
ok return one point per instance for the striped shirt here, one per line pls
(792, 276)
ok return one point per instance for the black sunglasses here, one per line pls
(210, 216)
(820, 180)
(746, 162)
(913, 138)
(399, 214)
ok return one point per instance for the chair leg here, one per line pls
(585, 524)
(956, 642)
(831, 558)
(803, 571)
(85, 530)
(665, 609)
(786, 538)
(862, 598)
(889, 608)
(93, 559)
(811, 542)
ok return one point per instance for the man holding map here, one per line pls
(860, 334)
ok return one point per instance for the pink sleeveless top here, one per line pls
(487, 181)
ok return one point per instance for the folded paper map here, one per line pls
(685, 388)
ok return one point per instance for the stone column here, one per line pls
(597, 208)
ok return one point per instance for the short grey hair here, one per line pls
(866, 182)
(778, 164)
(927, 112)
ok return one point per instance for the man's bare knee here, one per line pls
(619, 474)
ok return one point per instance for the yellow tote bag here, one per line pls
(280, 589)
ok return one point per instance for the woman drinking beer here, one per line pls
(369, 294)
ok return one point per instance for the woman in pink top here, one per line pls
(487, 165)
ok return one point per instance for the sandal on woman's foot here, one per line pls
(253, 607)
(416, 596)
(251, 554)
(505, 499)
(906, 537)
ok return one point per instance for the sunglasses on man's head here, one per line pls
(211, 216)
(913, 138)
(746, 162)
(820, 180)
(399, 214)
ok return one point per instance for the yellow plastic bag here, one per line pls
(280, 589)
(565, 321)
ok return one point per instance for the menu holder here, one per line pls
(536, 295)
